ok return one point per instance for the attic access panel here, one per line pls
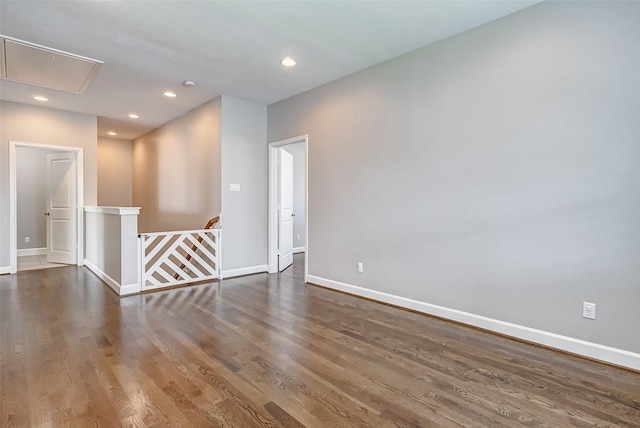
(45, 67)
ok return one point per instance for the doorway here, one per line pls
(280, 219)
(64, 202)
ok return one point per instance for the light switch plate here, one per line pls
(234, 187)
(589, 310)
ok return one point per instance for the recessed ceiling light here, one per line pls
(170, 94)
(189, 83)
(133, 116)
(111, 133)
(40, 98)
(288, 62)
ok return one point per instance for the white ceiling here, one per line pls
(232, 48)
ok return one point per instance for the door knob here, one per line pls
(46, 213)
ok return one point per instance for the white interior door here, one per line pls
(285, 220)
(61, 208)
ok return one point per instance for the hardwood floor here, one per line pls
(268, 350)
(36, 262)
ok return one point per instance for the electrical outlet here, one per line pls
(27, 239)
(589, 310)
(298, 236)
(360, 267)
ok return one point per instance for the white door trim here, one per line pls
(13, 200)
(273, 201)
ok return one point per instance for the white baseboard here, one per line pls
(129, 289)
(32, 252)
(121, 290)
(298, 250)
(591, 350)
(244, 271)
(112, 283)
(5, 269)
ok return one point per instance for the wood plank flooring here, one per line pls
(270, 351)
(36, 262)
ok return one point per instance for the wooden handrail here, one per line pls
(194, 248)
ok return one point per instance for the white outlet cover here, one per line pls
(360, 267)
(589, 310)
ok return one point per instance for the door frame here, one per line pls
(273, 201)
(13, 200)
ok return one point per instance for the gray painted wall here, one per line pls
(496, 172)
(41, 125)
(115, 172)
(176, 178)
(104, 243)
(244, 162)
(179, 181)
(112, 245)
(31, 195)
(299, 227)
